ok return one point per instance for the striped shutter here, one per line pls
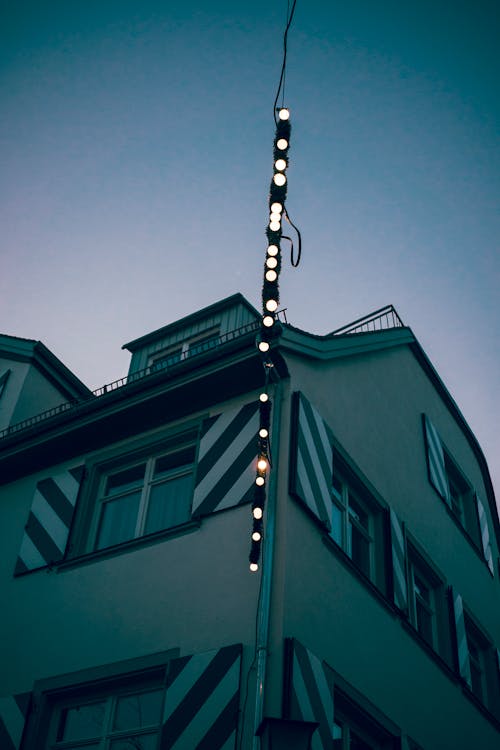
(49, 522)
(312, 469)
(202, 701)
(435, 461)
(399, 563)
(461, 634)
(13, 714)
(311, 693)
(485, 534)
(225, 473)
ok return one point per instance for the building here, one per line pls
(130, 618)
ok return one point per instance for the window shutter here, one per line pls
(202, 701)
(49, 522)
(399, 563)
(310, 692)
(227, 457)
(485, 534)
(311, 465)
(461, 636)
(435, 461)
(13, 714)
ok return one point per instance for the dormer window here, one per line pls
(169, 356)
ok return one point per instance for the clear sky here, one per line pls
(136, 155)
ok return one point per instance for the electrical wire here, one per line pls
(283, 66)
(294, 263)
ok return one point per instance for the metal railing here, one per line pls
(380, 320)
(153, 369)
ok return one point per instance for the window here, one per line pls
(184, 349)
(483, 669)
(355, 729)
(462, 499)
(357, 527)
(128, 721)
(427, 604)
(144, 497)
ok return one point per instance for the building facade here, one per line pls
(130, 618)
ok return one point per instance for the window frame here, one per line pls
(463, 506)
(359, 715)
(488, 696)
(167, 356)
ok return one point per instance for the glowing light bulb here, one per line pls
(262, 464)
(271, 304)
(271, 275)
(273, 250)
(256, 536)
(263, 433)
(279, 179)
(274, 226)
(282, 144)
(276, 208)
(257, 513)
(284, 114)
(260, 481)
(275, 216)
(268, 321)
(271, 262)
(280, 164)
(263, 346)
(254, 567)
(263, 397)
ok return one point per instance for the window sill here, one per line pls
(434, 655)
(348, 563)
(120, 549)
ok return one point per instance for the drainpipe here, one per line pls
(264, 609)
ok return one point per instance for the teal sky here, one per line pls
(136, 155)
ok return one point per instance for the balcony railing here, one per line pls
(153, 369)
(380, 320)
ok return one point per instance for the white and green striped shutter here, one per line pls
(310, 693)
(47, 528)
(312, 465)
(202, 701)
(225, 473)
(13, 714)
(400, 586)
(485, 534)
(461, 638)
(435, 461)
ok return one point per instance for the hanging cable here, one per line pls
(294, 263)
(283, 66)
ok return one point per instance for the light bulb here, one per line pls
(257, 513)
(254, 567)
(284, 114)
(273, 250)
(282, 144)
(256, 536)
(263, 346)
(274, 226)
(263, 397)
(271, 275)
(271, 262)
(263, 432)
(271, 304)
(279, 179)
(268, 321)
(275, 216)
(276, 208)
(280, 164)
(262, 464)
(260, 481)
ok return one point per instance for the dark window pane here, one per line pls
(360, 549)
(357, 743)
(337, 517)
(184, 457)
(140, 742)
(118, 520)
(81, 722)
(169, 503)
(137, 711)
(125, 480)
(424, 621)
(357, 513)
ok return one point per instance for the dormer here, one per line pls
(202, 331)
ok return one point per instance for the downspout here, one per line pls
(264, 609)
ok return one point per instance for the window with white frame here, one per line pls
(143, 497)
(358, 527)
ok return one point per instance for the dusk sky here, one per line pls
(136, 155)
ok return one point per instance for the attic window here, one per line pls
(202, 342)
